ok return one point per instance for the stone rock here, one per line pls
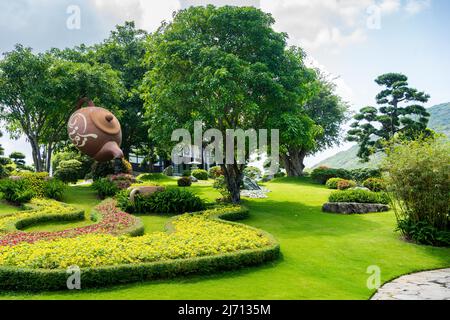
(193, 179)
(145, 191)
(353, 207)
(249, 184)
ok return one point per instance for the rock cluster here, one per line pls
(353, 207)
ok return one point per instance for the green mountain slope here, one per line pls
(439, 122)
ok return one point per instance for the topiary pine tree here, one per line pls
(399, 112)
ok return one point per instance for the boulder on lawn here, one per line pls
(353, 207)
(145, 191)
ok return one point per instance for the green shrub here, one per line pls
(68, 171)
(424, 233)
(186, 173)
(322, 174)
(359, 196)
(105, 188)
(253, 173)
(279, 174)
(215, 172)
(362, 174)
(173, 201)
(151, 177)
(221, 186)
(55, 189)
(418, 178)
(36, 181)
(16, 191)
(168, 171)
(104, 169)
(375, 184)
(200, 174)
(184, 182)
(333, 182)
(346, 184)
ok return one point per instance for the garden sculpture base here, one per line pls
(353, 207)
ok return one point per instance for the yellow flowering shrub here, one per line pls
(192, 235)
(37, 208)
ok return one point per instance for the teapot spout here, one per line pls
(109, 151)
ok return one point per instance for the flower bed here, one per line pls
(110, 220)
(194, 243)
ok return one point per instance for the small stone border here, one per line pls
(426, 285)
(353, 207)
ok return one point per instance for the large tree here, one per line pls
(225, 67)
(327, 111)
(124, 51)
(399, 111)
(38, 92)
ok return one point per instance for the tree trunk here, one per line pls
(293, 162)
(49, 157)
(233, 174)
(37, 160)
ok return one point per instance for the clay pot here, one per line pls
(96, 132)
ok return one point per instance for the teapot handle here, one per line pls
(84, 100)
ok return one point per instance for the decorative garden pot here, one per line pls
(96, 132)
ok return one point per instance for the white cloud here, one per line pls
(416, 6)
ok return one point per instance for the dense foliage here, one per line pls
(184, 182)
(322, 174)
(169, 201)
(419, 181)
(200, 174)
(359, 196)
(374, 127)
(375, 184)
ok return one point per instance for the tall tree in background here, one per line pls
(327, 112)
(124, 51)
(38, 92)
(399, 112)
(225, 67)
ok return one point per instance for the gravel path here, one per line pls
(427, 285)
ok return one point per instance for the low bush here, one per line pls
(424, 233)
(253, 173)
(168, 171)
(322, 174)
(346, 184)
(184, 182)
(332, 183)
(169, 201)
(215, 172)
(55, 189)
(152, 177)
(186, 173)
(122, 180)
(105, 188)
(16, 191)
(375, 184)
(358, 196)
(68, 171)
(104, 169)
(200, 174)
(36, 181)
(362, 174)
(279, 174)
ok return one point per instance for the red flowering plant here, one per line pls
(110, 220)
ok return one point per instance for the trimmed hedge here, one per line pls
(13, 278)
(358, 196)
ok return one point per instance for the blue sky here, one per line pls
(338, 35)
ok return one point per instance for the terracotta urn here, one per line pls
(96, 132)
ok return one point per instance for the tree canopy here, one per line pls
(399, 111)
(225, 67)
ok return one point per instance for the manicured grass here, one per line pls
(325, 256)
(6, 208)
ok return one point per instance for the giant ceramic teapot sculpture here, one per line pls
(95, 132)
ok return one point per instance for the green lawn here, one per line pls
(325, 256)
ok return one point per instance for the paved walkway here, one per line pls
(427, 285)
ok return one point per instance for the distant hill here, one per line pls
(439, 122)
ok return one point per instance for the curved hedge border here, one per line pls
(13, 278)
(107, 217)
